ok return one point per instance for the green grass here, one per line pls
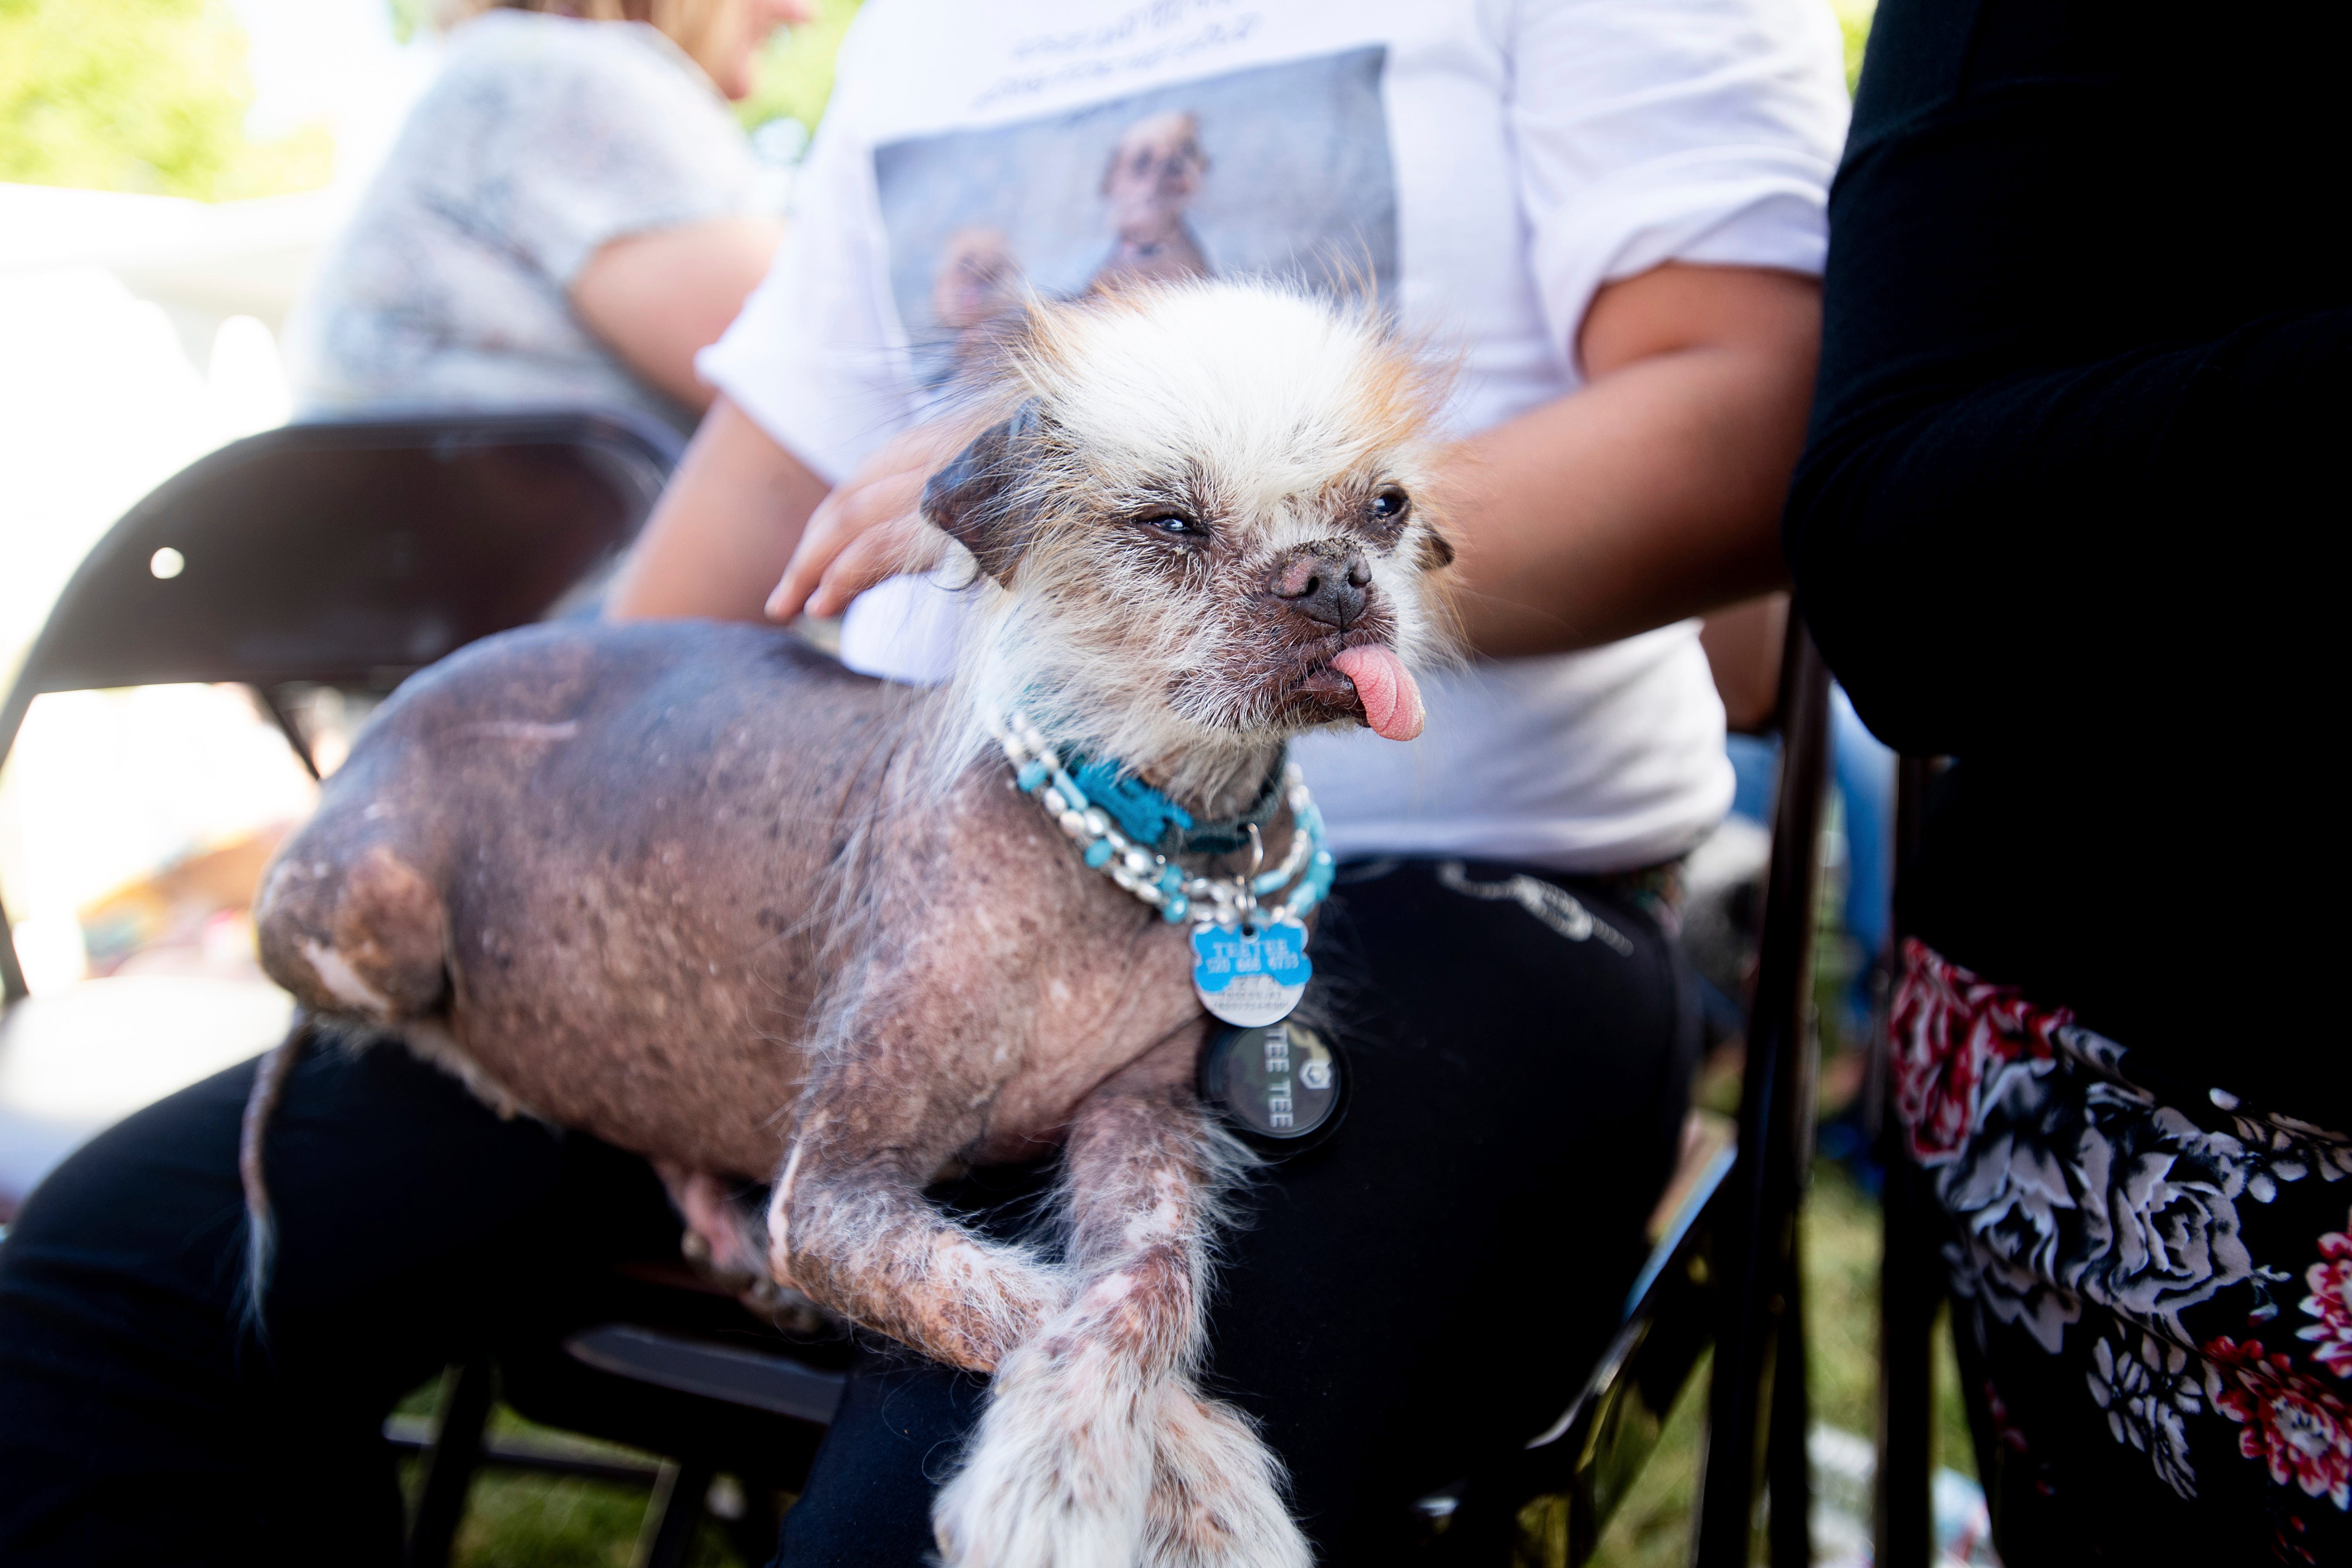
(515, 1519)
(1841, 1243)
(521, 1521)
(1652, 1529)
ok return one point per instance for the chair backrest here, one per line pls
(1726, 1271)
(1757, 1410)
(345, 552)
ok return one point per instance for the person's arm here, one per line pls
(657, 298)
(1653, 494)
(871, 526)
(1743, 644)
(723, 529)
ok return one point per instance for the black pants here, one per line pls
(1414, 1297)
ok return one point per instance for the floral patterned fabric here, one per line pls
(2152, 1281)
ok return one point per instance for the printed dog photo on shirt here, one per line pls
(1280, 171)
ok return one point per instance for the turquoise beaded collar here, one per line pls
(1126, 830)
(1154, 821)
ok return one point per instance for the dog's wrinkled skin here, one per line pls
(700, 891)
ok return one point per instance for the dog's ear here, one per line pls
(972, 499)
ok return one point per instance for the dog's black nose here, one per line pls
(1324, 588)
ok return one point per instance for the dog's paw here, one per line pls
(1059, 1472)
(1077, 1465)
(1216, 1491)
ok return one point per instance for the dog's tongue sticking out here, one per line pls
(1391, 701)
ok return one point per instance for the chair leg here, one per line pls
(1756, 1249)
(1789, 1465)
(450, 1460)
(1911, 1283)
(289, 728)
(673, 1513)
(1910, 1290)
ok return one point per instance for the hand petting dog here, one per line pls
(870, 526)
(700, 891)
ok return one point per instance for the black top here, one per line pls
(2073, 473)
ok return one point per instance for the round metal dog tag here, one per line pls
(1251, 978)
(1281, 1082)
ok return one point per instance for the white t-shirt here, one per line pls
(1485, 167)
(543, 139)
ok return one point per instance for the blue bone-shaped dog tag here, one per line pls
(1251, 980)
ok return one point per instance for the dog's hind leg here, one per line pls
(1096, 1447)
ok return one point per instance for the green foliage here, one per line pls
(1853, 21)
(410, 17)
(140, 95)
(796, 69)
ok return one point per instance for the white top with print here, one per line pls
(1486, 165)
(543, 139)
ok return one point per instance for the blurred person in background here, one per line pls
(2087, 369)
(569, 214)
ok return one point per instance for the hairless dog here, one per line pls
(702, 892)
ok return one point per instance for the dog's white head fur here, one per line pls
(1197, 499)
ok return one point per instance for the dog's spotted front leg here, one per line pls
(849, 1227)
(1097, 1449)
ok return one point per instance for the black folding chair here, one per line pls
(1758, 1409)
(347, 555)
(1911, 1286)
(1725, 1273)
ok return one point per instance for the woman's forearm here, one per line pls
(1654, 493)
(723, 529)
(658, 298)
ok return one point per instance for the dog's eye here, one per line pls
(1172, 523)
(1387, 509)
